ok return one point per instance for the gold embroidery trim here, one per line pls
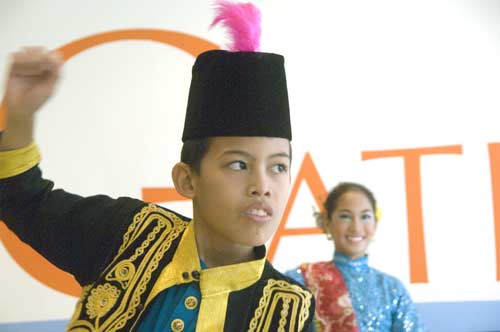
(277, 291)
(140, 223)
(284, 315)
(100, 301)
(15, 162)
(133, 278)
(185, 259)
(159, 249)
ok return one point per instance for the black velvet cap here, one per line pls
(237, 94)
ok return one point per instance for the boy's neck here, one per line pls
(216, 251)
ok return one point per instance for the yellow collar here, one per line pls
(185, 267)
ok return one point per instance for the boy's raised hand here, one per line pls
(31, 80)
(32, 77)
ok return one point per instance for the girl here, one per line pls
(351, 295)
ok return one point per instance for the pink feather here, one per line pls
(243, 23)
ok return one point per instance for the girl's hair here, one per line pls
(330, 204)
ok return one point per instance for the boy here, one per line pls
(144, 267)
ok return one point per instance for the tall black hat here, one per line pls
(238, 93)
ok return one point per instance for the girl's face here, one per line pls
(352, 224)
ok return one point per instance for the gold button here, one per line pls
(177, 325)
(191, 302)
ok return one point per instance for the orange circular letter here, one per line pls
(34, 264)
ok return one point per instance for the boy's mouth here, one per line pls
(259, 212)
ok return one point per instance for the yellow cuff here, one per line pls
(18, 161)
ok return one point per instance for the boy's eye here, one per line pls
(238, 165)
(279, 168)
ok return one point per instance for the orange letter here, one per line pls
(494, 149)
(411, 157)
(158, 195)
(27, 258)
(309, 173)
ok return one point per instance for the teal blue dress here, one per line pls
(381, 302)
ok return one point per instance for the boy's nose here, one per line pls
(259, 186)
(260, 192)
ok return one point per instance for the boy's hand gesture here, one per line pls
(32, 77)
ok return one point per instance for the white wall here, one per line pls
(362, 76)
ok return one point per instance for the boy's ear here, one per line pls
(182, 175)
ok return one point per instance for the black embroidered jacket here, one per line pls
(124, 252)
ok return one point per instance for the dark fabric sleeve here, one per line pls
(79, 235)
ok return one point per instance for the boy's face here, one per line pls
(241, 191)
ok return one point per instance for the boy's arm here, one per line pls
(77, 234)
(32, 77)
